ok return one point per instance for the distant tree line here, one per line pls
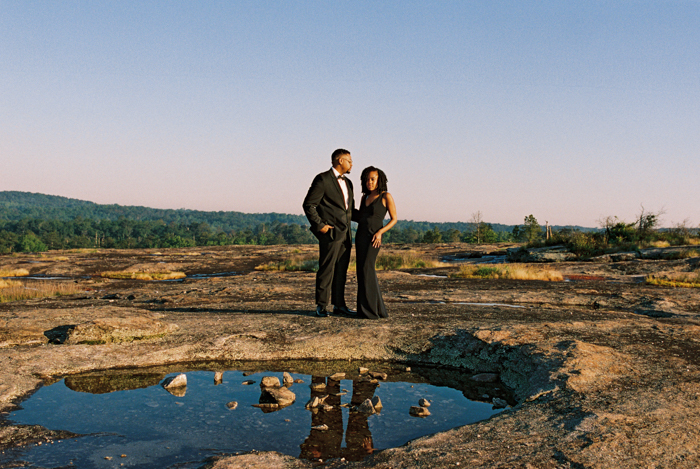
(36, 222)
(37, 235)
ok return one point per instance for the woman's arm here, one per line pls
(388, 201)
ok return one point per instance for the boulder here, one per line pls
(418, 411)
(281, 396)
(176, 385)
(499, 403)
(269, 382)
(545, 254)
(173, 382)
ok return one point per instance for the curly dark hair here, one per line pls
(381, 180)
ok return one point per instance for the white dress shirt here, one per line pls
(343, 187)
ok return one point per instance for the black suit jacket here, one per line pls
(324, 204)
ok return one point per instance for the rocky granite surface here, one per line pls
(605, 369)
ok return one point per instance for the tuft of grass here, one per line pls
(13, 290)
(143, 275)
(291, 265)
(404, 260)
(14, 272)
(511, 272)
(685, 254)
(678, 280)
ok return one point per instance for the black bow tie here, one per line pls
(341, 177)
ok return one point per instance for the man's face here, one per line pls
(346, 163)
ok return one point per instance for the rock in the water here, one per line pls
(249, 382)
(418, 411)
(248, 373)
(232, 405)
(366, 407)
(424, 403)
(282, 396)
(485, 378)
(270, 382)
(499, 403)
(321, 428)
(177, 386)
(327, 408)
(218, 377)
(337, 376)
(378, 375)
(298, 380)
(362, 370)
(377, 404)
(175, 381)
(287, 379)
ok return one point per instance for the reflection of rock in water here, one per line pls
(103, 383)
(482, 387)
(218, 378)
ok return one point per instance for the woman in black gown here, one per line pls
(375, 204)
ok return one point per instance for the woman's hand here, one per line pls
(377, 240)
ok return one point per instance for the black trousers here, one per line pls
(333, 262)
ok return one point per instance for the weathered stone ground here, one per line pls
(606, 371)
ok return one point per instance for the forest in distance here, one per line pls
(31, 222)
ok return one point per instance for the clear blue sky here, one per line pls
(567, 110)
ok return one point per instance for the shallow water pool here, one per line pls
(127, 419)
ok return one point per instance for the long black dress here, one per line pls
(370, 219)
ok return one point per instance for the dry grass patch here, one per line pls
(295, 264)
(14, 272)
(14, 290)
(684, 280)
(510, 272)
(143, 275)
(405, 260)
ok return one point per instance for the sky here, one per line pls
(570, 111)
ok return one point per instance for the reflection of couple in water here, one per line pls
(326, 444)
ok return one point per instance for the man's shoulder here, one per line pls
(324, 175)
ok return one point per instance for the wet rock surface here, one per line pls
(606, 372)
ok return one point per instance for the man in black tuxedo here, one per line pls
(328, 206)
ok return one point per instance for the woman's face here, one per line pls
(372, 179)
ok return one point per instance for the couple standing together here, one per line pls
(330, 207)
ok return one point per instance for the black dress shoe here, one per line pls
(321, 312)
(344, 310)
